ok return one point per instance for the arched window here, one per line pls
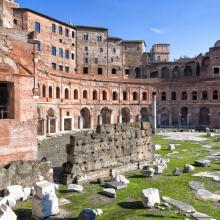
(173, 96)
(138, 72)
(66, 93)
(215, 95)
(94, 95)
(135, 96)
(184, 96)
(76, 94)
(44, 91)
(58, 93)
(165, 73)
(194, 95)
(104, 95)
(125, 95)
(176, 72)
(115, 96)
(188, 71)
(114, 71)
(204, 95)
(144, 96)
(85, 94)
(198, 69)
(163, 96)
(50, 92)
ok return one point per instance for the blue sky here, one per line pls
(190, 26)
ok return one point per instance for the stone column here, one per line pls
(112, 120)
(154, 110)
(100, 119)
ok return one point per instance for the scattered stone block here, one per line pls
(27, 193)
(188, 168)
(206, 195)
(98, 212)
(159, 168)
(116, 185)
(150, 197)
(87, 214)
(179, 205)
(157, 147)
(44, 188)
(75, 188)
(202, 163)
(214, 175)
(9, 201)
(171, 147)
(177, 172)
(122, 179)
(201, 216)
(63, 201)
(15, 192)
(109, 192)
(195, 185)
(148, 171)
(6, 213)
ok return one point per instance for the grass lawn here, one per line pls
(127, 205)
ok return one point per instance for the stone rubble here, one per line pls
(75, 188)
(6, 213)
(116, 185)
(109, 192)
(148, 171)
(16, 192)
(202, 163)
(195, 185)
(188, 168)
(98, 212)
(171, 147)
(122, 179)
(214, 175)
(150, 197)
(157, 147)
(159, 168)
(177, 172)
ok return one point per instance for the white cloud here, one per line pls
(157, 31)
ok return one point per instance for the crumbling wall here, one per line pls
(108, 147)
(24, 173)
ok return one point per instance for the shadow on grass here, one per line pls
(158, 216)
(131, 205)
(136, 176)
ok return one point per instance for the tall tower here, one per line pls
(6, 13)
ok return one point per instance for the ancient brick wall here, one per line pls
(108, 147)
(24, 173)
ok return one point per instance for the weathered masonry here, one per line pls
(94, 153)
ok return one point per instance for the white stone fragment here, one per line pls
(44, 188)
(171, 147)
(27, 193)
(75, 188)
(122, 179)
(6, 213)
(150, 197)
(157, 147)
(98, 212)
(15, 192)
(9, 201)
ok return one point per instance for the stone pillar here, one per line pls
(81, 122)
(154, 110)
(100, 119)
(112, 120)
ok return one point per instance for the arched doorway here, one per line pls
(144, 114)
(204, 118)
(126, 116)
(164, 117)
(106, 116)
(85, 118)
(184, 114)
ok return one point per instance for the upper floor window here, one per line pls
(38, 46)
(114, 71)
(54, 66)
(138, 72)
(101, 50)
(194, 95)
(125, 48)
(216, 70)
(60, 52)
(163, 96)
(85, 70)
(204, 95)
(67, 54)
(115, 96)
(184, 96)
(86, 37)
(173, 96)
(60, 30)
(53, 28)
(60, 68)
(138, 48)
(126, 71)
(73, 56)
(37, 27)
(86, 60)
(73, 34)
(67, 32)
(215, 95)
(96, 60)
(144, 96)
(99, 38)
(86, 49)
(54, 51)
(125, 95)
(158, 58)
(135, 96)
(67, 69)
(99, 71)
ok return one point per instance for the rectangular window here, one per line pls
(67, 69)
(60, 68)
(15, 21)
(85, 70)
(60, 52)
(73, 34)
(114, 50)
(216, 70)
(37, 27)
(126, 71)
(86, 37)
(38, 47)
(96, 61)
(86, 60)
(67, 54)
(54, 51)
(101, 50)
(53, 28)
(73, 56)
(138, 48)
(54, 66)
(67, 32)
(60, 30)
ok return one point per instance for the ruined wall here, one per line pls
(108, 147)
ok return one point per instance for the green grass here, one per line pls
(127, 205)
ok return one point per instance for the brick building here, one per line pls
(75, 77)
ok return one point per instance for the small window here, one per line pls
(96, 61)
(54, 51)
(94, 95)
(144, 96)
(85, 94)
(85, 70)
(125, 48)
(215, 95)
(86, 49)
(44, 91)
(112, 60)
(99, 71)
(38, 46)
(216, 70)
(67, 54)
(86, 60)
(73, 34)
(53, 28)
(135, 96)
(67, 69)
(127, 71)
(101, 50)
(86, 37)
(184, 96)
(37, 27)
(76, 95)
(114, 71)
(67, 32)
(61, 41)
(60, 30)
(99, 38)
(60, 52)
(138, 48)
(15, 21)
(50, 92)
(163, 96)
(158, 58)
(204, 95)
(66, 93)
(173, 96)
(58, 93)
(60, 68)
(54, 66)
(104, 95)
(194, 95)
(73, 56)
(125, 95)
(115, 96)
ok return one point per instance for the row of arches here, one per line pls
(95, 95)
(194, 95)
